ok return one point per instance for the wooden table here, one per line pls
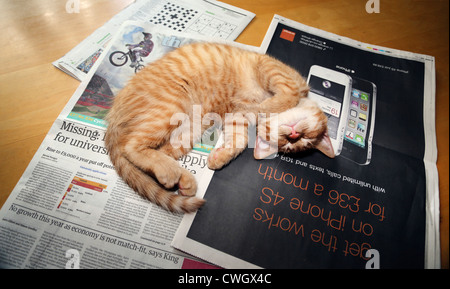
(36, 32)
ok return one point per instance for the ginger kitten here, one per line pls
(220, 79)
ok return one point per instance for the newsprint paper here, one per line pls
(375, 205)
(70, 209)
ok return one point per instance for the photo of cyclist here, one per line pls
(142, 49)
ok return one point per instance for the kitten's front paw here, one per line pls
(187, 186)
(220, 157)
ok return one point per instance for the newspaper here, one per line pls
(376, 205)
(204, 17)
(70, 209)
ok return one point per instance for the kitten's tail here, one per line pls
(146, 186)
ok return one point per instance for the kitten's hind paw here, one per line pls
(169, 174)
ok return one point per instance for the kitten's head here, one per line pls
(300, 128)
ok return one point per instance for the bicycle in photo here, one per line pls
(120, 58)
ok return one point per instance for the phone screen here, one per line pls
(358, 117)
(329, 96)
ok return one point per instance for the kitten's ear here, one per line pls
(263, 149)
(325, 146)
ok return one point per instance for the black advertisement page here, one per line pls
(306, 210)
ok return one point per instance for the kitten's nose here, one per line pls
(294, 135)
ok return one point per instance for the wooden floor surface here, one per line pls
(36, 32)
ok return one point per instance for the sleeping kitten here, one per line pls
(218, 78)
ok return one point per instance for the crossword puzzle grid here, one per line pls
(210, 26)
(179, 18)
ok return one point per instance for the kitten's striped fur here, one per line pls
(220, 78)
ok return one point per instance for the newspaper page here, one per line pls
(375, 205)
(204, 17)
(70, 209)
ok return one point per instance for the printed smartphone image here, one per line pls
(331, 91)
(357, 144)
